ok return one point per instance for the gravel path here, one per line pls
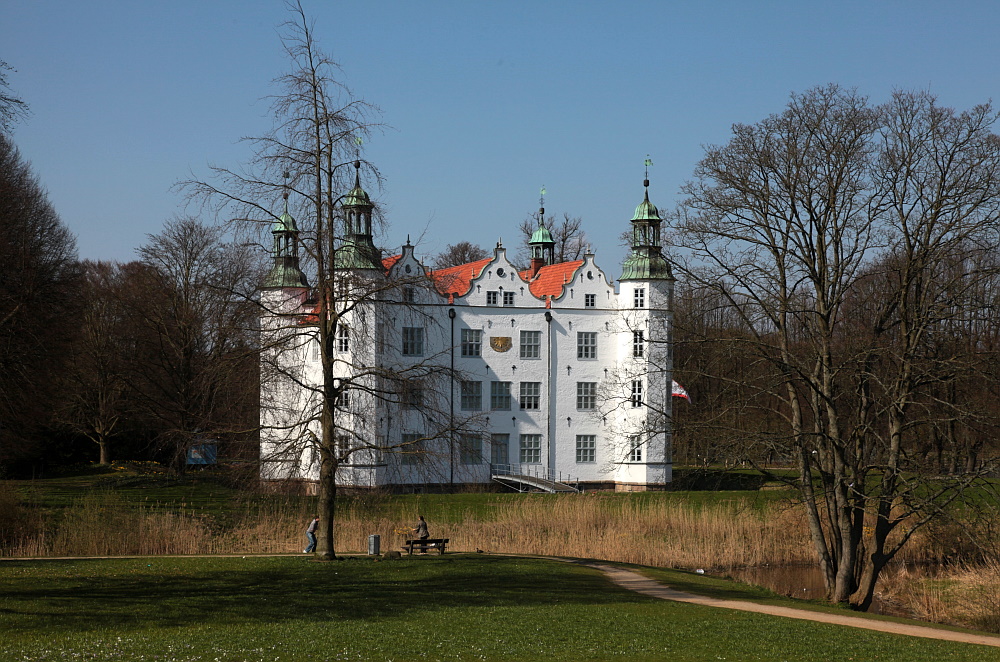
(636, 582)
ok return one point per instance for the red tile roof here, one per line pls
(390, 262)
(550, 279)
(458, 280)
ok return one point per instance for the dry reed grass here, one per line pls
(661, 532)
(963, 595)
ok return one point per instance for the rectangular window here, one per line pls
(589, 300)
(472, 342)
(508, 298)
(472, 396)
(409, 295)
(586, 448)
(492, 298)
(344, 446)
(343, 338)
(412, 396)
(638, 344)
(470, 449)
(413, 341)
(500, 395)
(635, 449)
(499, 449)
(531, 344)
(636, 393)
(586, 345)
(586, 395)
(639, 297)
(411, 449)
(531, 449)
(531, 395)
(343, 400)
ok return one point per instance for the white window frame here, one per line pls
(531, 345)
(472, 396)
(472, 342)
(590, 301)
(500, 396)
(638, 344)
(530, 449)
(636, 397)
(586, 345)
(343, 338)
(470, 449)
(639, 297)
(492, 298)
(413, 341)
(634, 449)
(508, 298)
(530, 396)
(586, 396)
(586, 448)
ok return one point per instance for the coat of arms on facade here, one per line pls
(500, 343)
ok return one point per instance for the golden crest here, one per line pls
(501, 343)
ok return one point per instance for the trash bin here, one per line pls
(374, 543)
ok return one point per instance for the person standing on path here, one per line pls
(311, 535)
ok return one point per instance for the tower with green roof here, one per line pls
(645, 303)
(357, 250)
(285, 272)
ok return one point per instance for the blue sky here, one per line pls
(486, 101)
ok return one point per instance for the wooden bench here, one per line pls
(423, 545)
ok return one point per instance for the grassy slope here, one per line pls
(457, 607)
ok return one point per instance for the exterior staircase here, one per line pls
(533, 478)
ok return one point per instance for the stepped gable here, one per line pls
(550, 279)
(458, 280)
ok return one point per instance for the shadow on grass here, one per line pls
(176, 592)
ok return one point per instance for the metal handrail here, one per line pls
(534, 471)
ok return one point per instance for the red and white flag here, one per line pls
(678, 391)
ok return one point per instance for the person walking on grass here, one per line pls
(311, 535)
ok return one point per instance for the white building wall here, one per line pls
(588, 304)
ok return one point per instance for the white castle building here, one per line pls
(544, 378)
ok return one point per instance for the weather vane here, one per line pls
(541, 205)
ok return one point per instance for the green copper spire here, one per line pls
(358, 249)
(646, 261)
(286, 271)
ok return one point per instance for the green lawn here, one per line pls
(456, 607)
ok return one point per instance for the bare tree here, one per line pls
(322, 375)
(39, 281)
(461, 253)
(787, 223)
(97, 378)
(194, 324)
(12, 108)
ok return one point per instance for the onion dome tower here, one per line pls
(542, 244)
(646, 261)
(286, 272)
(358, 249)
